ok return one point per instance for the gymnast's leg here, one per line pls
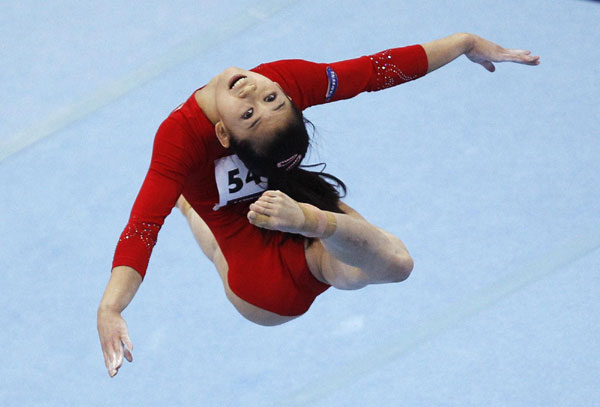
(211, 249)
(350, 253)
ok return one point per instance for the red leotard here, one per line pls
(187, 157)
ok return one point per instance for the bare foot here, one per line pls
(275, 210)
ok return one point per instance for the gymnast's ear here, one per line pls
(222, 134)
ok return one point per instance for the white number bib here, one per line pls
(235, 182)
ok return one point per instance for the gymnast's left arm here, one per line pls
(477, 49)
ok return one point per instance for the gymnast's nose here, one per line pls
(247, 90)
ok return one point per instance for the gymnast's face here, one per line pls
(250, 106)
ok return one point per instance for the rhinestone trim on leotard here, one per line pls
(147, 233)
(388, 73)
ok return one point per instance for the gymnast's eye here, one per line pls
(248, 114)
(271, 97)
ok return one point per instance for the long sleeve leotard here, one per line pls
(188, 159)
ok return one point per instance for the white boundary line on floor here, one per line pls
(406, 341)
(178, 55)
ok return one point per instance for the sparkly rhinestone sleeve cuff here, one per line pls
(396, 66)
(135, 246)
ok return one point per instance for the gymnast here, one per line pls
(230, 158)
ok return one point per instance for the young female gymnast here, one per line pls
(230, 159)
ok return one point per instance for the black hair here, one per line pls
(279, 159)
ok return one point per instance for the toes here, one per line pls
(260, 207)
(273, 194)
(257, 219)
(263, 200)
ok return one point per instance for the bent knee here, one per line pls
(400, 268)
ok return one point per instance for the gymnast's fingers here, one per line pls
(521, 56)
(127, 349)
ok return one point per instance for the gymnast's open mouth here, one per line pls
(236, 80)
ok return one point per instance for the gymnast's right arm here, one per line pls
(172, 158)
(112, 329)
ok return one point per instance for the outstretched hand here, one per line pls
(485, 52)
(114, 338)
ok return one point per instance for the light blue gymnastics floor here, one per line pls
(491, 180)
